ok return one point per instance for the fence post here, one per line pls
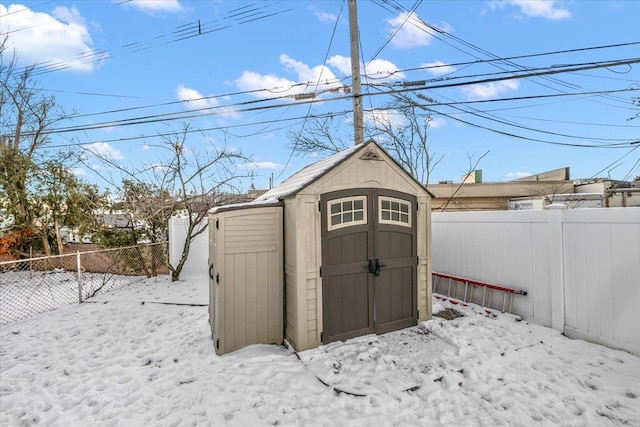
(79, 277)
(556, 267)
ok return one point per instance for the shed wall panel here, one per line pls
(248, 292)
(292, 329)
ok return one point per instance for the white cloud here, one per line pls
(438, 68)
(62, 38)
(341, 63)
(306, 76)
(490, 90)
(270, 85)
(392, 118)
(436, 123)
(305, 73)
(262, 165)
(517, 175)
(323, 16)
(265, 83)
(383, 118)
(78, 171)
(537, 8)
(103, 149)
(377, 68)
(193, 100)
(151, 6)
(381, 68)
(408, 31)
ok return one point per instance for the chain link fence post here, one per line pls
(79, 277)
(36, 285)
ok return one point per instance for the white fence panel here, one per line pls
(508, 248)
(198, 259)
(602, 276)
(581, 267)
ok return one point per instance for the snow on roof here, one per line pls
(308, 174)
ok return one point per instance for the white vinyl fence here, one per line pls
(198, 259)
(580, 267)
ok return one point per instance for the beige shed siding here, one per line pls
(291, 290)
(305, 224)
(248, 261)
(424, 257)
(312, 268)
(254, 306)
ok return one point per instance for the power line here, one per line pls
(405, 88)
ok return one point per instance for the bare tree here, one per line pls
(185, 182)
(404, 135)
(320, 136)
(25, 117)
(472, 167)
(401, 128)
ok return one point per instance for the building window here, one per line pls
(347, 212)
(394, 211)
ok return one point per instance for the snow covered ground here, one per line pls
(143, 356)
(24, 294)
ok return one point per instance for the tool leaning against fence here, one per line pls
(454, 280)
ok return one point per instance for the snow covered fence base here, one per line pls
(36, 285)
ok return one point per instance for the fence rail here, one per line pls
(36, 285)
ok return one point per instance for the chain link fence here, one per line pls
(36, 285)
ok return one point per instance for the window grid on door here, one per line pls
(394, 211)
(346, 212)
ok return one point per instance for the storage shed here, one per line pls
(338, 250)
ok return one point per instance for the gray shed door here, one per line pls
(369, 262)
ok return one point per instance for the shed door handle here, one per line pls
(375, 266)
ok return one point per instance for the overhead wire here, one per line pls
(610, 165)
(238, 16)
(184, 115)
(247, 16)
(324, 62)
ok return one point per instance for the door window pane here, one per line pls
(394, 211)
(347, 211)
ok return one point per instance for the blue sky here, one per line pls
(212, 62)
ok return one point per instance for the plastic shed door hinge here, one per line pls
(319, 206)
(320, 271)
(217, 224)
(217, 277)
(217, 344)
(322, 337)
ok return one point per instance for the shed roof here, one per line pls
(304, 177)
(310, 173)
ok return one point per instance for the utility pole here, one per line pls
(358, 123)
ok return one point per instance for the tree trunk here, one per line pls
(56, 227)
(45, 241)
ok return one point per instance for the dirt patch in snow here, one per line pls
(448, 314)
